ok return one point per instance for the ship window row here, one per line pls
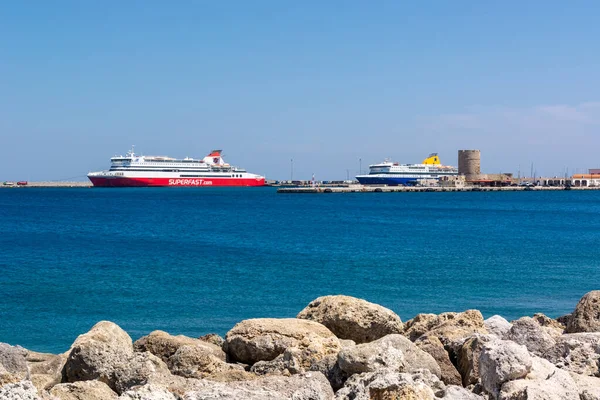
(162, 170)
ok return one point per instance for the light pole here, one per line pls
(360, 166)
(291, 169)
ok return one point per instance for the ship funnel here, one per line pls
(432, 159)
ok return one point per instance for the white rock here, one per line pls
(497, 325)
(23, 390)
(501, 361)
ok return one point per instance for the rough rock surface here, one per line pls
(394, 352)
(309, 386)
(351, 318)
(588, 386)
(94, 354)
(557, 386)
(385, 384)
(164, 345)
(263, 339)
(432, 346)
(45, 369)
(148, 392)
(23, 390)
(497, 325)
(528, 332)
(139, 369)
(84, 390)
(502, 361)
(195, 362)
(213, 338)
(577, 352)
(548, 322)
(13, 364)
(449, 327)
(460, 393)
(586, 317)
(468, 358)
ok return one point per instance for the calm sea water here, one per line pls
(194, 261)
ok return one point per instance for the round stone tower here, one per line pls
(469, 162)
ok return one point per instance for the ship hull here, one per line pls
(390, 181)
(174, 182)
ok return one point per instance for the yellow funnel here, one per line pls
(433, 159)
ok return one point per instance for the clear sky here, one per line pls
(324, 83)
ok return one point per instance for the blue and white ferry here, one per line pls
(394, 174)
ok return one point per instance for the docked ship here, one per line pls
(137, 170)
(394, 174)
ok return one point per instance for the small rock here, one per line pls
(468, 358)
(213, 338)
(497, 325)
(139, 369)
(164, 345)
(460, 393)
(45, 369)
(577, 352)
(558, 386)
(586, 317)
(13, 364)
(451, 328)
(196, 362)
(351, 318)
(263, 339)
(393, 352)
(148, 392)
(84, 390)
(501, 361)
(548, 322)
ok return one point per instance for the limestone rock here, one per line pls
(577, 352)
(385, 384)
(435, 348)
(213, 338)
(502, 361)
(528, 332)
(137, 370)
(94, 354)
(351, 318)
(45, 369)
(460, 393)
(586, 317)
(587, 386)
(263, 339)
(558, 386)
(23, 390)
(310, 386)
(548, 322)
(393, 352)
(195, 362)
(497, 325)
(148, 392)
(164, 345)
(448, 327)
(84, 390)
(13, 364)
(468, 358)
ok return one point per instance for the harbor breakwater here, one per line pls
(337, 348)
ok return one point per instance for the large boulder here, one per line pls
(432, 346)
(577, 352)
(164, 345)
(263, 339)
(23, 390)
(497, 325)
(139, 369)
(195, 362)
(468, 358)
(351, 318)
(528, 332)
(451, 328)
(555, 385)
(94, 354)
(502, 361)
(309, 386)
(393, 352)
(84, 390)
(385, 384)
(13, 364)
(586, 317)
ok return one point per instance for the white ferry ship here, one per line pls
(137, 170)
(394, 174)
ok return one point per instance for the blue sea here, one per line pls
(192, 261)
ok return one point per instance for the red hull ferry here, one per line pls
(134, 170)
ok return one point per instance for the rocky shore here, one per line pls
(337, 348)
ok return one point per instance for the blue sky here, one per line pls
(323, 83)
